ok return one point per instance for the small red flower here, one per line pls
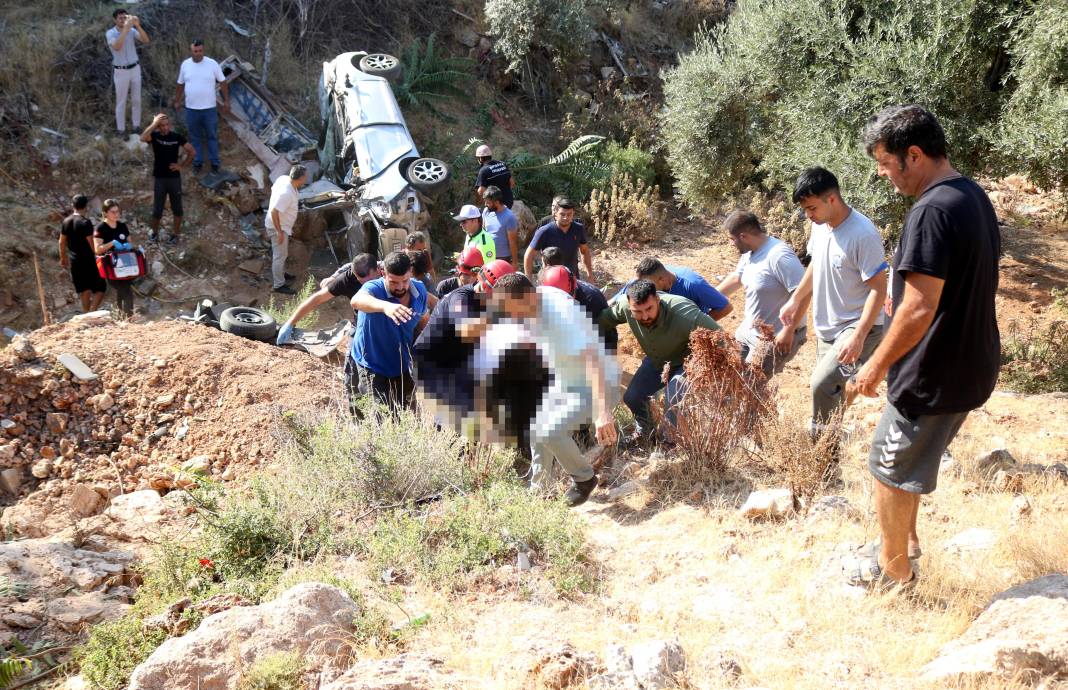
(207, 563)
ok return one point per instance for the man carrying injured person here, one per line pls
(584, 377)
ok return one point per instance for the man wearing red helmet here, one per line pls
(591, 299)
(442, 353)
(467, 268)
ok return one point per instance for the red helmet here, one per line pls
(470, 259)
(491, 273)
(559, 277)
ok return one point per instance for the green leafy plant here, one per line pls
(431, 76)
(114, 649)
(281, 308)
(11, 669)
(1035, 358)
(556, 27)
(278, 671)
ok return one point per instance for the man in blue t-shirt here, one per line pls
(499, 221)
(684, 282)
(563, 232)
(390, 312)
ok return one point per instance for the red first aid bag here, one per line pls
(128, 265)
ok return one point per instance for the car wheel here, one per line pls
(248, 323)
(381, 65)
(429, 175)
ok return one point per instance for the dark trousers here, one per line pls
(167, 187)
(395, 392)
(123, 295)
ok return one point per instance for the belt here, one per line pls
(127, 66)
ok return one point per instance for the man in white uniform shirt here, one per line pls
(197, 78)
(125, 67)
(281, 214)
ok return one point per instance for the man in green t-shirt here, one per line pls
(471, 222)
(662, 324)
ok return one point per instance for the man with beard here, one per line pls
(661, 324)
(390, 311)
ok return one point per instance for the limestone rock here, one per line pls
(996, 460)
(57, 422)
(557, 665)
(311, 618)
(198, 463)
(833, 507)
(770, 504)
(23, 348)
(1020, 509)
(11, 480)
(404, 672)
(1022, 635)
(84, 501)
(655, 663)
(973, 539)
(41, 469)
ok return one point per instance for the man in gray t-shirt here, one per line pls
(769, 271)
(846, 284)
(125, 67)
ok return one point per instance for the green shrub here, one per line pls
(431, 76)
(278, 671)
(282, 307)
(114, 649)
(559, 28)
(475, 533)
(786, 84)
(629, 160)
(1034, 358)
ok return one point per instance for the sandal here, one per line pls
(864, 571)
(871, 550)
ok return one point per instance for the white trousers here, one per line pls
(127, 80)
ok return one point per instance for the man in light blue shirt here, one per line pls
(125, 67)
(499, 221)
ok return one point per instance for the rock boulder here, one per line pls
(405, 672)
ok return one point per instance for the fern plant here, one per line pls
(431, 76)
(11, 669)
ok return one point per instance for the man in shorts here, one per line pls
(942, 351)
(76, 253)
(167, 164)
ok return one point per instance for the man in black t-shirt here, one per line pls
(76, 253)
(168, 161)
(942, 352)
(493, 173)
(345, 282)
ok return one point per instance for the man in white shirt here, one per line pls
(769, 271)
(125, 67)
(584, 380)
(197, 78)
(846, 284)
(281, 214)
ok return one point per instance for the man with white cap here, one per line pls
(476, 236)
(493, 173)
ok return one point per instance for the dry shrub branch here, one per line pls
(726, 402)
(629, 210)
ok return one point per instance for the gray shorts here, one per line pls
(906, 451)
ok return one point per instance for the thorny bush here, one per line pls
(628, 210)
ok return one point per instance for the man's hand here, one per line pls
(160, 117)
(888, 306)
(226, 106)
(175, 167)
(281, 236)
(397, 312)
(606, 430)
(134, 20)
(284, 334)
(851, 349)
(788, 314)
(784, 340)
(64, 260)
(867, 380)
(178, 103)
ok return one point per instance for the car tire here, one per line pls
(428, 175)
(248, 323)
(381, 65)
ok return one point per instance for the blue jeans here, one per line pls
(647, 383)
(202, 126)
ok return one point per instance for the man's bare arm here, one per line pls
(528, 260)
(317, 299)
(729, 285)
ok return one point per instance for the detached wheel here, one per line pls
(429, 175)
(248, 323)
(381, 65)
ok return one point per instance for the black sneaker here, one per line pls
(290, 276)
(172, 240)
(285, 290)
(214, 168)
(579, 492)
(197, 167)
(152, 236)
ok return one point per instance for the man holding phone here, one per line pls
(125, 67)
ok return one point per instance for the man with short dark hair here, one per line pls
(197, 78)
(345, 282)
(552, 256)
(583, 378)
(168, 161)
(684, 282)
(126, 67)
(390, 312)
(564, 232)
(281, 215)
(467, 267)
(589, 297)
(662, 325)
(417, 242)
(942, 351)
(76, 253)
(769, 271)
(421, 269)
(499, 221)
(495, 173)
(846, 284)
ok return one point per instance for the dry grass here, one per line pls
(628, 210)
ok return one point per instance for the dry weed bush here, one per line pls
(726, 402)
(791, 452)
(627, 211)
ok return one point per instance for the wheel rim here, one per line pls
(427, 171)
(248, 318)
(380, 62)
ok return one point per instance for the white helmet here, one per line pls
(483, 150)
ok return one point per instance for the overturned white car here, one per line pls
(372, 171)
